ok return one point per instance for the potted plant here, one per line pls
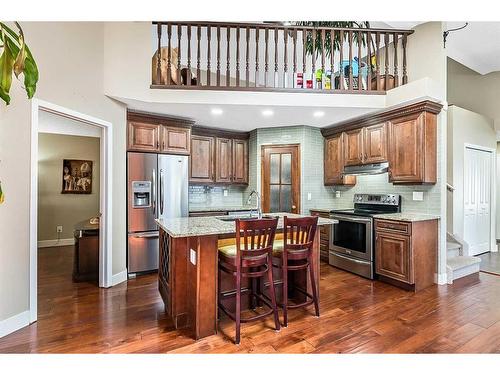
(15, 58)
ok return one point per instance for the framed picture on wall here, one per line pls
(77, 177)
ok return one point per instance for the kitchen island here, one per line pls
(188, 268)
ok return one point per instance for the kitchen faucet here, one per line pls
(259, 204)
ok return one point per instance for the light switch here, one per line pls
(337, 194)
(192, 256)
(418, 195)
(309, 196)
(225, 192)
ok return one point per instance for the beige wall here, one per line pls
(464, 126)
(70, 59)
(55, 208)
(473, 91)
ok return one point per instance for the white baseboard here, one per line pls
(119, 278)
(442, 278)
(14, 323)
(60, 242)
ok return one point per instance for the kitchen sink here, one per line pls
(246, 217)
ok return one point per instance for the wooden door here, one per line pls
(143, 136)
(175, 140)
(375, 144)
(281, 178)
(333, 163)
(353, 147)
(477, 200)
(223, 160)
(393, 256)
(240, 161)
(201, 167)
(406, 151)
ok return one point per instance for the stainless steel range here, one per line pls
(352, 239)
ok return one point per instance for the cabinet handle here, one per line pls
(157, 144)
(163, 145)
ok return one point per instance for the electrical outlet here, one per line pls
(309, 196)
(418, 195)
(192, 256)
(225, 192)
(337, 194)
(59, 229)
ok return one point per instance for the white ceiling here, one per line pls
(250, 117)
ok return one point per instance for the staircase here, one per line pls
(457, 264)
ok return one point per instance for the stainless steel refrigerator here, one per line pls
(157, 188)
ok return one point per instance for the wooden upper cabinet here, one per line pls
(412, 149)
(334, 162)
(175, 140)
(223, 160)
(201, 167)
(375, 144)
(240, 161)
(143, 136)
(353, 147)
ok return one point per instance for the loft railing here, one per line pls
(275, 57)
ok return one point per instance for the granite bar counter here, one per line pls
(407, 216)
(188, 268)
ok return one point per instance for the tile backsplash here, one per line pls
(212, 196)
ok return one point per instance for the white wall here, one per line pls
(70, 59)
(464, 126)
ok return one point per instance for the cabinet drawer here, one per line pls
(393, 226)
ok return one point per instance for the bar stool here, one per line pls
(294, 253)
(251, 258)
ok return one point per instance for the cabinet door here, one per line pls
(175, 140)
(353, 147)
(201, 167)
(375, 144)
(393, 256)
(143, 136)
(223, 160)
(240, 161)
(333, 163)
(406, 151)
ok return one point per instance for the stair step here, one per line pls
(452, 245)
(459, 262)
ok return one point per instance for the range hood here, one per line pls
(359, 170)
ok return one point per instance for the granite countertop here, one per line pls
(220, 208)
(204, 226)
(407, 216)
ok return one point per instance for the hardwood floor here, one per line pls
(357, 316)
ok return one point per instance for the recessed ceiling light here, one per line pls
(318, 114)
(216, 111)
(267, 112)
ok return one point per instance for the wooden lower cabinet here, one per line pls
(406, 252)
(325, 233)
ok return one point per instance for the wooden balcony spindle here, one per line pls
(396, 72)
(313, 57)
(323, 34)
(304, 64)
(285, 58)
(386, 47)
(360, 45)
(350, 60)
(209, 43)
(369, 60)
(257, 56)
(332, 59)
(237, 57)
(247, 58)
(276, 79)
(218, 57)
(405, 76)
(169, 57)
(341, 79)
(266, 67)
(188, 75)
(179, 38)
(294, 52)
(228, 60)
(159, 80)
(377, 57)
(198, 58)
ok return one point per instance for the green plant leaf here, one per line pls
(6, 67)
(21, 56)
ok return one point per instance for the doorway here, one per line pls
(41, 109)
(281, 178)
(478, 199)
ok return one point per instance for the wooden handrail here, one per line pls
(189, 52)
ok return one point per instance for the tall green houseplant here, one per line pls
(15, 58)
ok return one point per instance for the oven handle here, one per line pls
(350, 259)
(350, 218)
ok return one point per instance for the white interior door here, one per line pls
(477, 200)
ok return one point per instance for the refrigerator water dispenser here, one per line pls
(141, 191)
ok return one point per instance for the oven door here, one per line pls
(352, 236)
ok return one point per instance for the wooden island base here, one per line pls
(187, 282)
